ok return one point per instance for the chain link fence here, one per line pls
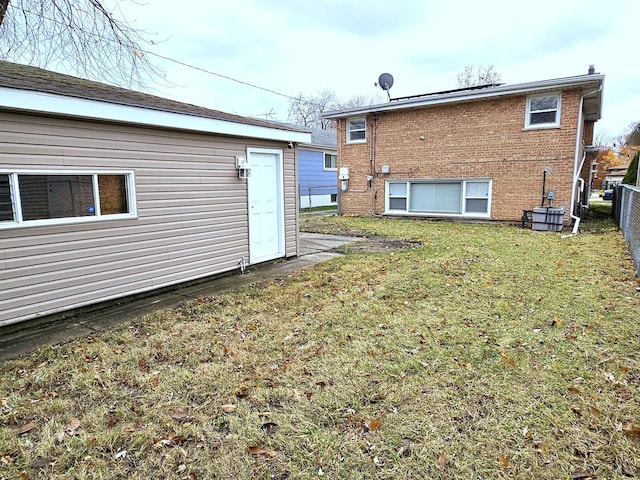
(626, 213)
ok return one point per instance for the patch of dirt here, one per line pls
(378, 245)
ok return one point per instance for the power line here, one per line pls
(226, 77)
(179, 62)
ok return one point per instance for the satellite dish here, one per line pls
(385, 81)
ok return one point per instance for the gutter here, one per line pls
(576, 169)
(454, 97)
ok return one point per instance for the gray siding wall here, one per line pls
(192, 213)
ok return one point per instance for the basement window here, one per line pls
(543, 111)
(464, 198)
(356, 130)
(31, 198)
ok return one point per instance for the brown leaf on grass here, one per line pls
(27, 428)
(542, 447)
(72, 427)
(41, 462)
(442, 461)
(624, 394)
(594, 411)
(374, 424)
(142, 364)
(405, 449)
(243, 392)
(581, 476)
(228, 408)
(573, 389)
(556, 321)
(507, 360)
(631, 430)
(378, 397)
(257, 450)
(503, 461)
(179, 415)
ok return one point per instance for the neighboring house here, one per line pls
(481, 153)
(317, 170)
(107, 192)
(614, 175)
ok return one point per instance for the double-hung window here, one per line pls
(356, 130)
(30, 198)
(471, 198)
(330, 162)
(543, 111)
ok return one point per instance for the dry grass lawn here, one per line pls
(482, 352)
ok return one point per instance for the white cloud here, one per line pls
(292, 47)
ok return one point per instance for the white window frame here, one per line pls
(463, 197)
(324, 164)
(350, 130)
(18, 221)
(558, 110)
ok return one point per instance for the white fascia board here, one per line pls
(41, 102)
(634, 136)
(453, 97)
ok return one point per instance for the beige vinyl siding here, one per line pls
(290, 204)
(192, 213)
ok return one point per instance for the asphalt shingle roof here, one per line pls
(24, 77)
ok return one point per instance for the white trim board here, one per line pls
(27, 100)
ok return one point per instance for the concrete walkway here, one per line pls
(20, 339)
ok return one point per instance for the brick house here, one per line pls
(482, 153)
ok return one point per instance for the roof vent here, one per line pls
(592, 69)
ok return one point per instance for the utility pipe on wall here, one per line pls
(576, 171)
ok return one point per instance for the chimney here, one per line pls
(592, 69)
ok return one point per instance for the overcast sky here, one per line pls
(304, 46)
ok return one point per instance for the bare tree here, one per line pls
(307, 110)
(473, 76)
(81, 37)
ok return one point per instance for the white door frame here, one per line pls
(281, 240)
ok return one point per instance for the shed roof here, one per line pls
(589, 84)
(323, 138)
(44, 85)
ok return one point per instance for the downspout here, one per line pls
(576, 170)
(372, 175)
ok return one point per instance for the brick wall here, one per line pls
(483, 138)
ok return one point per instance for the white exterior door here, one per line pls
(266, 205)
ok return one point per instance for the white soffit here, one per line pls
(27, 100)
